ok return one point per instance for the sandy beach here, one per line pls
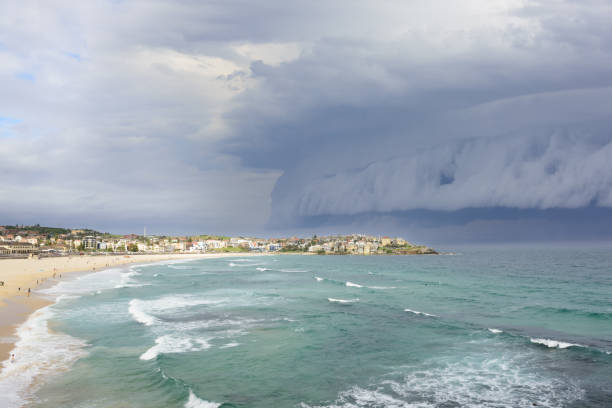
(19, 275)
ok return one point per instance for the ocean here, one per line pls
(471, 328)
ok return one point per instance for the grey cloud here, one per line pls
(562, 170)
(515, 116)
(190, 109)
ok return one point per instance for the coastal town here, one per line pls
(24, 241)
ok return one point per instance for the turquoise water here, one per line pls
(480, 328)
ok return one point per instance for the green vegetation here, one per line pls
(205, 237)
(47, 231)
(291, 248)
(407, 249)
(228, 249)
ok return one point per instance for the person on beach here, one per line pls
(28, 292)
(12, 358)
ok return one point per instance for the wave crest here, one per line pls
(416, 312)
(195, 402)
(554, 343)
(333, 300)
(137, 312)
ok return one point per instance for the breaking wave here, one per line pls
(136, 310)
(554, 343)
(416, 312)
(342, 300)
(39, 353)
(168, 344)
(195, 402)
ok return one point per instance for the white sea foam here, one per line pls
(179, 267)
(169, 344)
(195, 402)
(141, 309)
(39, 353)
(87, 283)
(244, 265)
(358, 397)
(343, 300)
(501, 382)
(318, 279)
(62, 298)
(263, 269)
(495, 331)
(554, 343)
(420, 313)
(127, 280)
(356, 285)
(137, 312)
(230, 345)
(382, 287)
(176, 302)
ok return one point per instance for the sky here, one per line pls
(439, 121)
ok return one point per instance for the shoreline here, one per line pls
(20, 274)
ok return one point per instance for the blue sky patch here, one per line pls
(6, 124)
(26, 76)
(74, 55)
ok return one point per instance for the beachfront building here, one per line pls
(274, 247)
(215, 243)
(17, 248)
(89, 242)
(199, 246)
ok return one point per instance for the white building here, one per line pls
(215, 243)
(199, 246)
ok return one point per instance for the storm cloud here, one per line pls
(429, 116)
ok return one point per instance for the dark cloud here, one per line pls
(515, 119)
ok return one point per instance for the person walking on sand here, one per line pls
(12, 358)
(28, 292)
